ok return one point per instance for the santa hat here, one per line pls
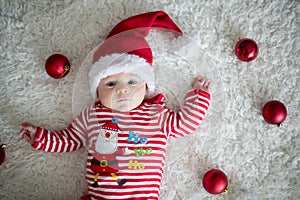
(125, 49)
(111, 125)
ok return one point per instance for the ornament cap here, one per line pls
(279, 124)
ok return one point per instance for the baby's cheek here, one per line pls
(105, 97)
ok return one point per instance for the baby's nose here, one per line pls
(122, 90)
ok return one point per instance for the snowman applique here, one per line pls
(105, 160)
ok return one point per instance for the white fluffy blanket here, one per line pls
(260, 160)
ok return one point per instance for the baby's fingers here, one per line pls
(25, 136)
(200, 79)
(206, 84)
(29, 127)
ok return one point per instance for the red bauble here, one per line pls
(57, 66)
(2, 153)
(274, 112)
(246, 49)
(215, 181)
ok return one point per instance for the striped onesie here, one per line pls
(126, 150)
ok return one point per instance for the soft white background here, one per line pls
(260, 160)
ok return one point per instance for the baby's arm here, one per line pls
(66, 140)
(191, 114)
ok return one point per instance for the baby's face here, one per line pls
(122, 92)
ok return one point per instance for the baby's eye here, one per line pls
(132, 82)
(111, 84)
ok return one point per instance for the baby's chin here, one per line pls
(122, 107)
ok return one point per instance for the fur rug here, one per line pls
(260, 160)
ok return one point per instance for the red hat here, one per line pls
(111, 125)
(125, 49)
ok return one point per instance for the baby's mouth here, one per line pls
(123, 99)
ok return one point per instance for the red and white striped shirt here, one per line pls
(142, 140)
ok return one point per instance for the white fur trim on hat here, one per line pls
(117, 63)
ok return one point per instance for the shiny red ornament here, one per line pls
(274, 112)
(2, 153)
(215, 181)
(57, 66)
(246, 49)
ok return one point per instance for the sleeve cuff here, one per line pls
(199, 92)
(38, 137)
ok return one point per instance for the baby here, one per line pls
(125, 131)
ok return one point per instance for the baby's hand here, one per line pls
(28, 132)
(202, 83)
